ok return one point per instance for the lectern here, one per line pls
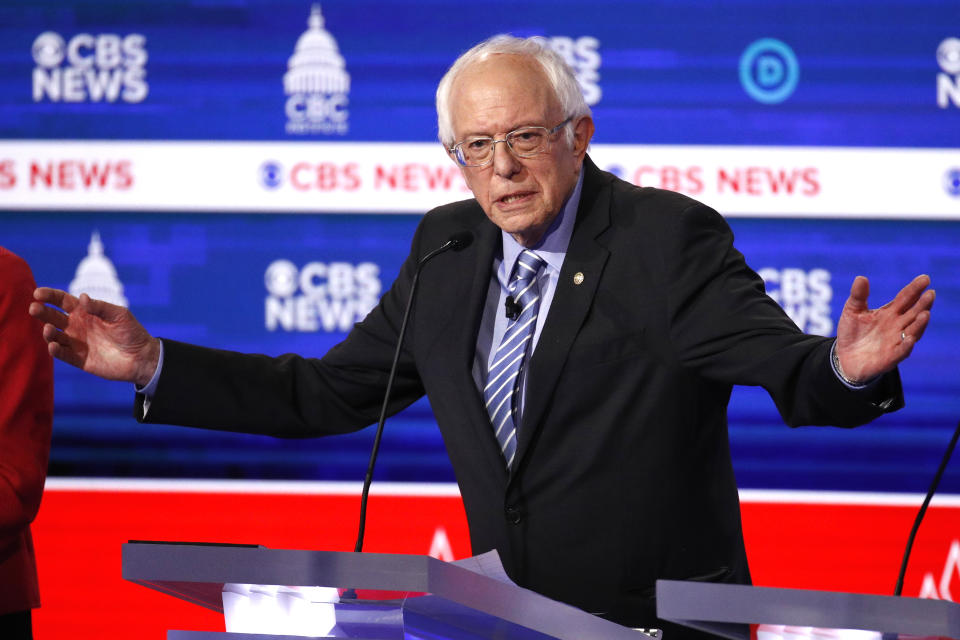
(430, 599)
(723, 609)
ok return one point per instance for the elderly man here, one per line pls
(578, 354)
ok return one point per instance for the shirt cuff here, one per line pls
(850, 384)
(148, 390)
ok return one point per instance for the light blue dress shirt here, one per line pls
(553, 249)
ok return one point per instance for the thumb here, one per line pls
(859, 292)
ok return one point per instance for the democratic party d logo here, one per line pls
(769, 71)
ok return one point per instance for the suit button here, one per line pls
(513, 515)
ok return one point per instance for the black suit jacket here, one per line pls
(623, 472)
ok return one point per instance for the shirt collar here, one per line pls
(553, 245)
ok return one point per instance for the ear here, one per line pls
(450, 155)
(582, 133)
(453, 159)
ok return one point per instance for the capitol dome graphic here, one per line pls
(316, 65)
(97, 277)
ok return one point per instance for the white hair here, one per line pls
(558, 72)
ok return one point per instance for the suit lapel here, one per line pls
(461, 342)
(571, 302)
(469, 311)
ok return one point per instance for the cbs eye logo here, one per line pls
(271, 174)
(49, 49)
(951, 182)
(769, 71)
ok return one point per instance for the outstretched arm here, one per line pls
(96, 336)
(871, 342)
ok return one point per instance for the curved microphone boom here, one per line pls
(456, 242)
(898, 590)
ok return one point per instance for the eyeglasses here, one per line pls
(524, 142)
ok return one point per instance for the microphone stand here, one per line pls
(923, 509)
(456, 242)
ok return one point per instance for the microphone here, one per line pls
(456, 242)
(511, 308)
(898, 590)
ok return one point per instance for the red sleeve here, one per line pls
(26, 400)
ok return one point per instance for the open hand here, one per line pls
(96, 336)
(871, 342)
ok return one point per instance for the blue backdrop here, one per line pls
(201, 278)
(655, 72)
(851, 73)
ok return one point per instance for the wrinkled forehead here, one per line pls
(507, 86)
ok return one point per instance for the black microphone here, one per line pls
(511, 308)
(898, 590)
(459, 240)
(456, 242)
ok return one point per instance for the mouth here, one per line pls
(515, 198)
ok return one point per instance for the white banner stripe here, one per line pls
(387, 177)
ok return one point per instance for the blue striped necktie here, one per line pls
(502, 393)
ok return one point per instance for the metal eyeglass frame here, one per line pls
(457, 153)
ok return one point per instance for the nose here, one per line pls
(505, 164)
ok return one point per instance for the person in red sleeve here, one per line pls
(26, 418)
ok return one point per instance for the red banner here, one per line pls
(842, 542)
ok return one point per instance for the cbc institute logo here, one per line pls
(316, 83)
(769, 71)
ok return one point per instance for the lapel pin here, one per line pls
(578, 277)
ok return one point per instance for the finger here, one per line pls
(61, 346)
(49, 315)
(859, 292)
(926, 300)
(100, 308)
(65, 354)
(55, 297)
(48, 295)
(51, 333)
(910, 294)
(923, 305)
(914, 332)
